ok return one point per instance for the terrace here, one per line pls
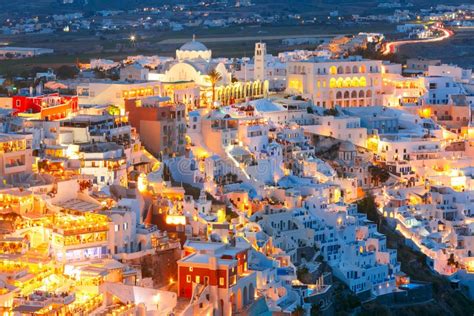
(70, 225)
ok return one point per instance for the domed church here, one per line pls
(189, 74)
(193, 50)
(193, 63)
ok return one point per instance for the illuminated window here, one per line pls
(117, 228)
(198, 279)
(221, 281)
(346, 83)
(125, 226)
(362, 82)
(339, 82)
(333, 70)
(296, 85)
(191, 269)
(355, 82)
(188, 279)
(332, 83)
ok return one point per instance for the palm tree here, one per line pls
(214, 77)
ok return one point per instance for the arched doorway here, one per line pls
(141, 245)
(251, 292)
(245, 296)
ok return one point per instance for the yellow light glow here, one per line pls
(470, 266)
(175, 220)
(296, 85)
(221, 215)
(142, 183)
(425, 113)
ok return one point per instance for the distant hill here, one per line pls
(298, 6)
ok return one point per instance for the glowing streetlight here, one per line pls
(133, 38)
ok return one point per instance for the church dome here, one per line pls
(193, 50)
(347, 146)
(194, 46)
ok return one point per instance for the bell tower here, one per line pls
(259, 71)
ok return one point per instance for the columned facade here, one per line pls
(347, 83)
(240, 91)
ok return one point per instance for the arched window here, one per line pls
(348, 69)
(355, 82)
(362, 69)
(355, 69)
(361, 94)
(369, 94)
(333, 70)
(339, 95)
(346, 95)
(346, 83)
(362, 82)
(332, 83)
(339, 82)
(340, 70)
(354, 94)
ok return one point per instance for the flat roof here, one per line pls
(78, 205)
(204, 259)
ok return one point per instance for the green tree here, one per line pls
(379, 175)
(301, 273)
(214, 77)
(368, 206)
(332, 112)
(67, 72)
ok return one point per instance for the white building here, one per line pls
(346, 82)
(339, 127)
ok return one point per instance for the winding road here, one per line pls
(391, 47)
